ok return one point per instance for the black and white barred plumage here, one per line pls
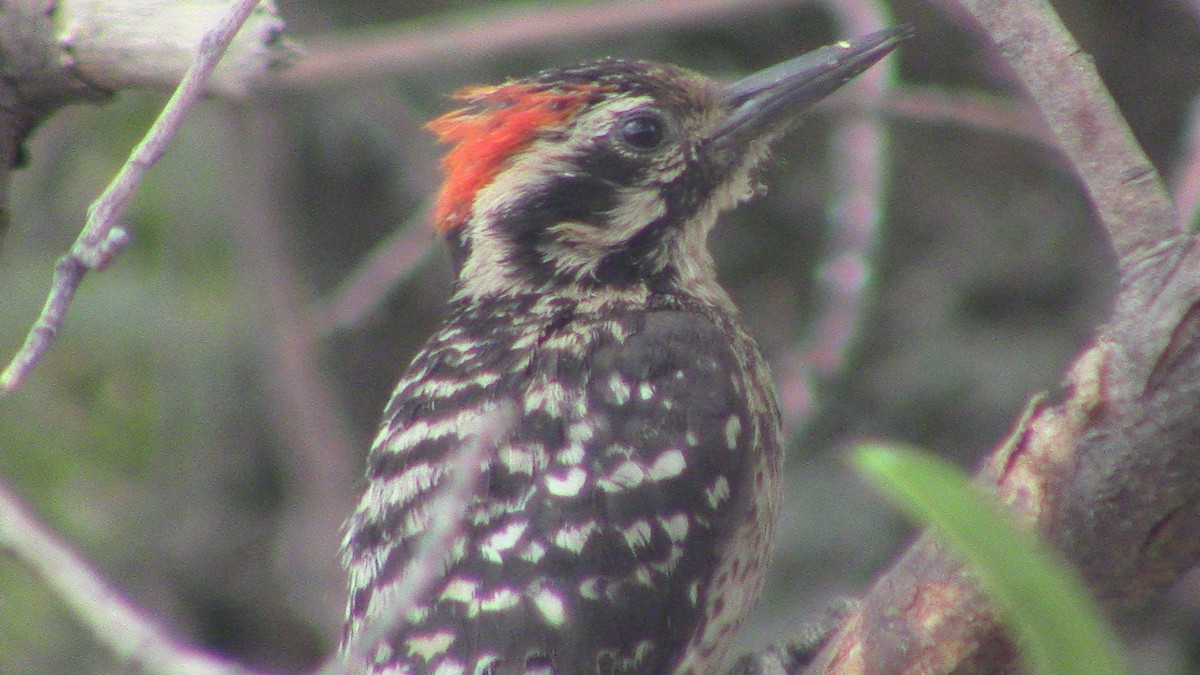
(605, 513)
(624, 517)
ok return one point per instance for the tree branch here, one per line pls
(391, 261)
(358, 56)
(102, 236)
(1107, 472)
(130, 44)
(860, 171)
(134, 638)
(1124, 187)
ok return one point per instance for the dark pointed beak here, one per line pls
(767, 100)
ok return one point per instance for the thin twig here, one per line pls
(397, 602)
(977, 111)
(318, 447)
(389, 263)
(134, 638)
(859, 169)
(381, 53)
(100, 239)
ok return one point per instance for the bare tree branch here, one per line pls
(859, 170)
(134, 638)
(56, 53)
(389, 262)
(973, 110)
(1123, 186)
(101, 237)
(127, 44)
(1107, 471)
(318, 448)
(357, 56)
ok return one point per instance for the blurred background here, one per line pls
(199, 429)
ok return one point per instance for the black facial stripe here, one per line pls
(584, 194)
(575, 197)
(602, 161)
(459, 247)
(684, 197)
(635, 262)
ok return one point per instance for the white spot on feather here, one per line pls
(718, 492)
(626, 476)
(496, 544)
(460, 590)
(636, 535)
(533, 552)
(499, 600)
(550, 606)
(733, 427)
(619, 388)
(575, 536)
(572, 454)
(667, 465)
(568, 484)
(675, 526)
(450, 667)
(589, 588)
(428, 645)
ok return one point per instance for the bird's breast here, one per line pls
(637, 479)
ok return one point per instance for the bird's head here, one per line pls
(610, 174)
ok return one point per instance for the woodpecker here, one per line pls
(623, 519)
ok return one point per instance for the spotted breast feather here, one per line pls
(605, 512)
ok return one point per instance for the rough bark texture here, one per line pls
(33, 83)
(75, 51)
(1106, 468)
(1106, 472)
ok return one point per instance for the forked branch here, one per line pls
(103, 236)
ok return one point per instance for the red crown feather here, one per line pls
(498, 122)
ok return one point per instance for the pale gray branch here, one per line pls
(859, 167)
(97, 244)
(134, 638)
(128, 44)
(1123, 185)
(384, 52)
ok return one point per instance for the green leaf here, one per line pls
(1061, 630)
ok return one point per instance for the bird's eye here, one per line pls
(643, 131)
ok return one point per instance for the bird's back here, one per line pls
(636, 480)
